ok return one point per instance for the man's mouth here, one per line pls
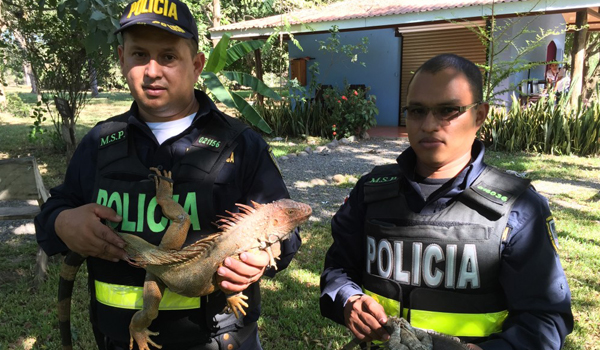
(430, 142)
(153, 90)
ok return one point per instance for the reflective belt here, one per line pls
(459, 324)
(392, 307)
(131, 297)
(455, 324)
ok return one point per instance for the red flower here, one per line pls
(355, 93)
(344, 98)
(339, 101)
(333, 126)
(334, 133)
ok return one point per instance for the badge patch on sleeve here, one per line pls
(275, 161)
(551, 226)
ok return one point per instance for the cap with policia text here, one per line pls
(170, 15)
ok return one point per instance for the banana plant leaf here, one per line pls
(218, 57)
(241, 49)
(250, 81)
(250, 113)
(218, 89)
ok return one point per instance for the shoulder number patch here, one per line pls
(551, 226)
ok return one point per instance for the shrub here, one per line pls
(352, 110)
(296, 118)
(547, 126)
(16, 106)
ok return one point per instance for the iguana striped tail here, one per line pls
(68, 271)
(142, 253)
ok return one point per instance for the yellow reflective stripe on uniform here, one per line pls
(131, 297)
(391, 306)
(455, 324)
(459, 324)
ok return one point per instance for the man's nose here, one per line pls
(153, 69)
(430, 121)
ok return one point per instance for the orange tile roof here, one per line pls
(351, 9)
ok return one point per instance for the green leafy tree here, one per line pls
(68, 44)
(499, 37)
(222, 57)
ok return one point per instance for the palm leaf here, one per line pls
(218, 56)
(250, 81)
(250, 113)
(216, 88)
(240, 50)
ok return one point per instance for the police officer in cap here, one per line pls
(444, 240)
(215, 160)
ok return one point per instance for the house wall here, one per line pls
(381, 71)
(383, 60)
(545, 22)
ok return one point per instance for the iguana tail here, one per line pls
(68, 271)
(142, 253)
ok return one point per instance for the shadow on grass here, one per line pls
(291, 318)
(520, 162)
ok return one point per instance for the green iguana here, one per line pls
(189, 271)
(403, 336)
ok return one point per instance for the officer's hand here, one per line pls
(473, 347)
(365, 318)
(83, 232)
(236, 275)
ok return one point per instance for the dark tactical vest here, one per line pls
(440, 271)
(123, 183)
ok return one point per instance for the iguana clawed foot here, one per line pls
(142, 338)
(236, 303)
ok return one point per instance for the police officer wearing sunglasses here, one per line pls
(215, 160)
(444, 240)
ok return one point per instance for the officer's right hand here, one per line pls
(82, 230)
(365, 318)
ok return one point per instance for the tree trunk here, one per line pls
(591, 74)
(259, 75)
(29, 75)
(93, 81)
(26, 74)
(578, 56)
(216, 17)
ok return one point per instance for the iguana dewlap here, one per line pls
(191, 271)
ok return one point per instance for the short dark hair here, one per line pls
(461, 64)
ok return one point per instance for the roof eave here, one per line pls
(500, 9)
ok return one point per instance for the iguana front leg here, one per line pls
(141, 320)
(180, 220)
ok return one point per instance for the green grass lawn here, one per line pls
(291, 319)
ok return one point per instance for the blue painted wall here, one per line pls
(381, 71)
(383, 60)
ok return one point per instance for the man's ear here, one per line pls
(121, 53)
(482, 112)
(199, 60)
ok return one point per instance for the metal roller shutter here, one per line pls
(418, 47)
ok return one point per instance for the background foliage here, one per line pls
(548, 126)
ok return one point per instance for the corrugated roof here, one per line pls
(352, 9)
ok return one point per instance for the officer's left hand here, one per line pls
(236, 275)
(473, 347)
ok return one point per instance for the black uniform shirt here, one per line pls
(253, 175)
(535, 285)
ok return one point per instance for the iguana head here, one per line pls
(284, 215)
